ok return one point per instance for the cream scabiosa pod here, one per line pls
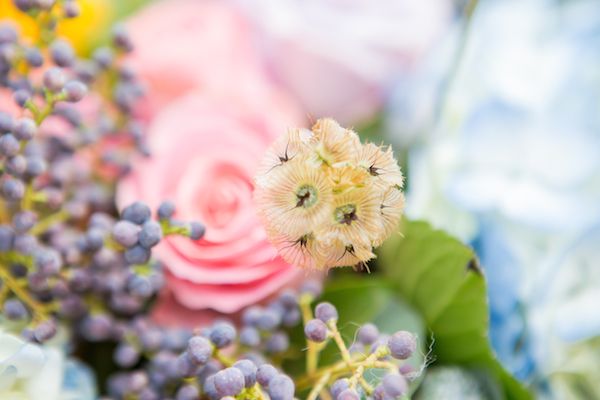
(326, 199)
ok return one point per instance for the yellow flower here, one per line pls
(82, 32)
(326, 200)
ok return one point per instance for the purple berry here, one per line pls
(150, 234)
(7, 237)
(44, 330)
(24, 129)
(7, 34)
(166, 210)
(249, 370)
(268, 319)
(281, 387)
(277, 343)
(126, 233)
(348, 394)
(402, 345)
(9, 145)
(196, 230)
(187, 392)
(126, 355)
(312, 287)
(34, 57)
(229, 382)
(249, 336)
(199, 350)
(210, 389)
(394, 385)
(326, 312)
(21, 97)
(222, 334)
(339, 386)
(138, 213)
(368, 334)
(14, 309)
(265, 373)
(75, 91)
(62, 53)
(54, 79)
(315, 330)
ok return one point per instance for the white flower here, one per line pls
(514, 168)
(33, 372)
(338, 57)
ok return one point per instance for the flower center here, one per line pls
(345, 214)
(307, 196)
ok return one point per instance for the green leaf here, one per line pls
(440, 277)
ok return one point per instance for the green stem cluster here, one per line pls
(352, 366)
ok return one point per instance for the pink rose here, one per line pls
(205, 152)
(339, 57)
(187, 45)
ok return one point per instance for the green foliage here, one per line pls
(440, 278)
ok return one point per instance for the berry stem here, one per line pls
(337, 337)
(312, 355)
(319, 386)
(226, 361)
(40, 311)
(51, 220)
(357, 377)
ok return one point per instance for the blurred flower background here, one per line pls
(493, 107)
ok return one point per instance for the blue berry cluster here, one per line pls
(370, 351)
(67, 256)
(219, 361)
(223, 361)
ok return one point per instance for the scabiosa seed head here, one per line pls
(327, 200)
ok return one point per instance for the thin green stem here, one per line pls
(39, 310)
(319, 386)
(312, 355)
(49, 221)
(468, 12)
